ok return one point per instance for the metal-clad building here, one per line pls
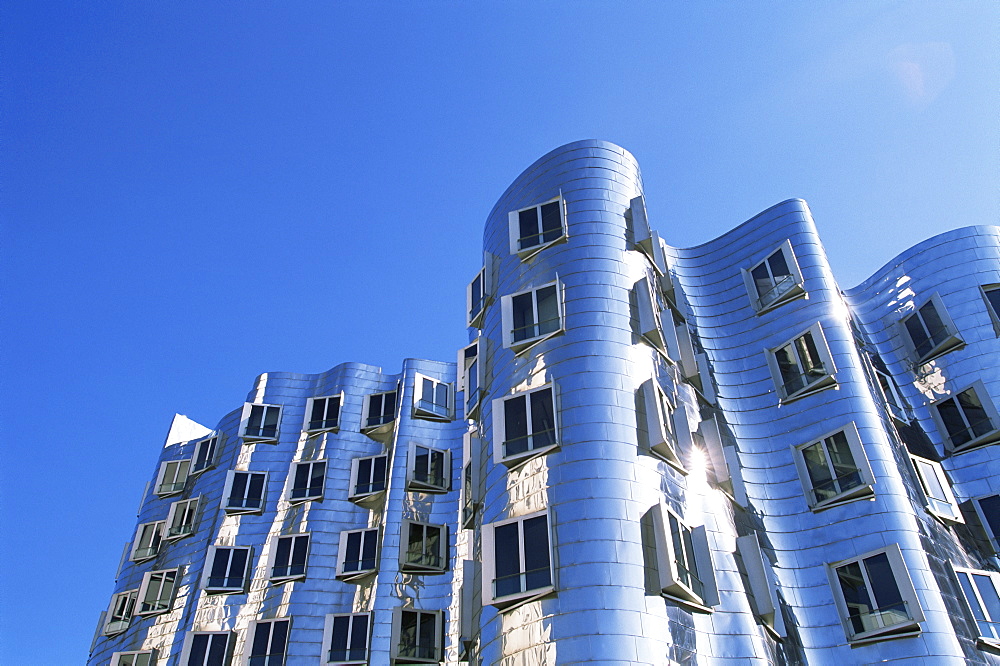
(645, 455)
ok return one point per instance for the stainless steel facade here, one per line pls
(651, 455)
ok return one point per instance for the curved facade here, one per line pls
(645, 455)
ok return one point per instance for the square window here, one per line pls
(147, 541)
(357, 555)
(418, 636)
(525, 425)
(991, 294)
(424, 548)
(934, 482)
(172, 477)
(532, 316)
(323, 414)
(289, 557)
(477, 297)
(981, 590)
(269, 642)
(658, 424)
(204, 648)
(683, 560)
(120, 612)
(244, 492)
(967, 419)
(181, 518)
(428, 470)
(431, 399)
(259, 423)
(834, 469)
(226, 569)
(517, 560)
(537, 227)
(134, 658)
(874, 596)
(930, 331)
(470, 379)
(368, 476)
(988, 510)
(471, 476)
(308, 481)
(156, 594)
(775, 280)
(204, 454)
(379, 413)
(346, 638)
(802, 365)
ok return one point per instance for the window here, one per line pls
(893, 399)
(967, 420)
(428, 470)
(156, 593)
(367, 477)
(535, 228)
(471, 469)
(517, 560)
(646, 240)
(380, 409)
(346, 638)
(981, 594)
(120, 612)
(802, 365)
(683, 560)
(531, 316)
(204, 455)
(424, 548)
(763, 583)
(432, 399)
(172, 477)
(270, 638)
(147, 541)
(136, 658)
(226, 569)
(477, 297)
(834, 469)
(930, 331)
(651, 306)
(288, 559)
(206, 649)
(524, 425)
(659, 429)
(181, 518)
(244, 492)
(418, 636)
(358, 553)
(991, 294)
(988, 510)
(775, 280)
(470, 380)
(323, 414)
(260, 422)
(934, 482)
(308, 480)
(874, 596)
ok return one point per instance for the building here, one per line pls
(645, 455)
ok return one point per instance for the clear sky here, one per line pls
(196, 192)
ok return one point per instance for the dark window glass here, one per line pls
(269, 642)
(290, 556)
(263, 421)
(381, 408)
(831, 467)
(309, 480)
(417, 635)
(360, 555)
(205, 454)
(325, 413)
(990, 507)
(371, 475)
(350, 638)
(247, 491)
(208, 650)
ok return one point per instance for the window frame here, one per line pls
(228, 491)
(514, 228)
(328, 634)
(661, 425)
(188, 648)
(308, 421)
(248, 656)
(470, 494)
(260, 436)
(894, 401)
(651, 305)
(385, 424)
(406, 565)
(904, 589)
(500, 428)
(272, 561)
(470, 364)
(170, 534)
(210, 558)
(945, 508)
(993, 418)
(763, 584)
(507, 317)
(208, 460)
(696, 553)
(367, 534)
(647, 241)
(794, 289)
(353, 494)
(414, 484)
(147, 579)
(473, 315)
(985, 290)
(992, 535)
(182, 470)
(992, 641)
(432, 410)
(130, 598)
(489, 565)
(864, 490)
(397, 655)
(950, 341)
(160, 527)
(293, 477)
(116, 657)
(827, 379)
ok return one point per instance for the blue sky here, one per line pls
(196, 192)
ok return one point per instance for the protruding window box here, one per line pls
(517, 560)
(259, 423)
(531, 316)
(346, 638)
(156, 594)
(646, 240)
(525, 425)
(204, 454)
(378, 418)
(289, 558)
(930, 332)
(536, 228)
(357, 555)
(226, 570)
(182, 518)
(834, 469)
(148, 538)
(967, 419)
(119, 615)
(172, 478)
(207, 648)
(244, 492)
(659, 427)
(424, 548)
(323, 414)
(432, 399)
(478, 296)
(471, 480)
(775, 280)
(981, 590)
(428, 470)
(308, 481)
(368, 478)
(937, 490)
(683, 561)
(763, 584)
(134, 658)
(417, 636)
(269, 643)
(470, 380)
(803, 365)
